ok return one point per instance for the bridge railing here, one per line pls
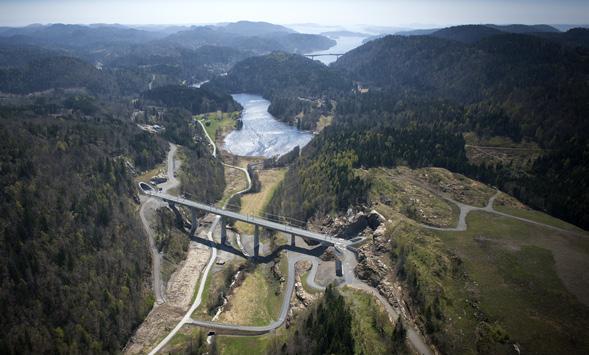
(248, 217)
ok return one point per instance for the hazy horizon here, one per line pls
(401, 13)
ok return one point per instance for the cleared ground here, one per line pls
(256, 301)
(392, 193)
(528, 278)
(217, 121)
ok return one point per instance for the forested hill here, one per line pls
(426, 92)
(39, 70)
(538, 83)
(282, 74)
(195, 100)
(74, 259)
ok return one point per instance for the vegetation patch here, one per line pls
(372, 330)
(255, 203)
(391, 194)
(218, 122)
(257, 300)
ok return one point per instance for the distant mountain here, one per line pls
(26, 69)
(466, 33)
(474, 33)
(18, 55)
(280, 73)
(248, 28)
(566, 27)
(516, 28)
(78, 36)
(337, 34)
(576, 37)
(423, 32)
(55, 72)
(264, 42)
(402, 33)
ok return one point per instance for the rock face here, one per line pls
(301, 299)
(373, 269)
(352, 224)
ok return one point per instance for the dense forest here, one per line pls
(282, 74)
(195, 100)
(300, 89)
(73, 257)
(426, 92)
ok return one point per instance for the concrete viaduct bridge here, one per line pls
(256, 221)
(313, 56)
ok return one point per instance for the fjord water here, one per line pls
(344, 44)
(262, 134)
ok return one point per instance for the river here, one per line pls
(262, 134)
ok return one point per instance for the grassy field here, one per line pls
(255, 203)
(217, 281)
(527, 279)
(539, 217)
(237, 345)
(235, 181)
(256, 301)
(217, 121)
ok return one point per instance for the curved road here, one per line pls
(466, 209)
(197, 301)
(152, 203)
(348, 265)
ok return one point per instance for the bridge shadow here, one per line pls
(261, 259)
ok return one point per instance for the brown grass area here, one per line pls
(456, 186)
(235, 181)
(256, 301)
(255, 203)
(391, 196)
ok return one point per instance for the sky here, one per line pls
(401, 13)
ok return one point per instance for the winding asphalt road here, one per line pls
(152, 203)
(198, 300)
(348, 265)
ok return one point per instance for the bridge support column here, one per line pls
(338, 267)
(193, 221)
(223, 230)
(292, 240)
(256, 241)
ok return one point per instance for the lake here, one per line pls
(262, 134)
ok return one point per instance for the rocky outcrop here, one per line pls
(301, 299)
(352, 224)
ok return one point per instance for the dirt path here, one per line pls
(465, 209)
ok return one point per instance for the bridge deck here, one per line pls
(279, 227)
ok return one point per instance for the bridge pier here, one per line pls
(292, 240)
(223, 230)
(338, 267)
(193, 222)
(256, 241)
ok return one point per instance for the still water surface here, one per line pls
(262, 134)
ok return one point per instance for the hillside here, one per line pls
(71, 243)
(466, 33)
(192, 99)
(39, 70)
(258, 40)
(281, 73)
